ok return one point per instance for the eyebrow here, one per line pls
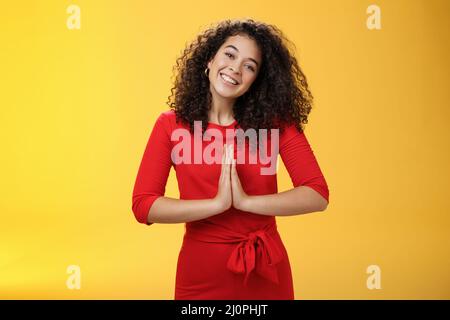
(231, 46)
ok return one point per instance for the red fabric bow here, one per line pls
(256, 251)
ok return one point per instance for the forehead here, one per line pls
(247, 47)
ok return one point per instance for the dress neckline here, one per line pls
(222, 126)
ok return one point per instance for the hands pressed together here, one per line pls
(230, 191)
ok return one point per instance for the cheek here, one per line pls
(220, 64)
(248, 80)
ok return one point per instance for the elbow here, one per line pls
(321, 201)
(317, 194)
(323, 205)
(324, 198)
(138, 212)
(141, 207)
(318, 198)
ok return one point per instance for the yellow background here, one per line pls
(77, 108)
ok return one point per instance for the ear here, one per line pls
(210, 63)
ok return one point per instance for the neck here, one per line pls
(221, 112)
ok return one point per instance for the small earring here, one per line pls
(207, 72)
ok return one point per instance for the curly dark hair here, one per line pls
(278, 96)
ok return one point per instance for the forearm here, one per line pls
(299, 200)
(170, 210)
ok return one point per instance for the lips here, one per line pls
(237, 82)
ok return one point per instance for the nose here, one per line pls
(232, 69)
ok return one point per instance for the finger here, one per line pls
(224, 153)
(232, 153)
(227, 166)
(234, 174)
(231, 156)
(233, 171)
(222, 159)
(222, 169)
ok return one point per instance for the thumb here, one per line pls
(233, 169)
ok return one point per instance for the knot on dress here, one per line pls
(257, 252)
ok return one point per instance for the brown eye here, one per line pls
(231, 55)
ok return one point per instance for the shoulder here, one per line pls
(167, 116)
(290, 131)
(168, 119)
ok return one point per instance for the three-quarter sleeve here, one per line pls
(300, 161)
(153, 171)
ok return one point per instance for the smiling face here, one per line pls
(239, 58)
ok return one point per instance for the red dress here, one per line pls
(234, 254)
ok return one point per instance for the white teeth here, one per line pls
(227, 78)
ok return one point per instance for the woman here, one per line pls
(238, 74)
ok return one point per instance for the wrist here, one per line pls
(218, 205)
(246, 203)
